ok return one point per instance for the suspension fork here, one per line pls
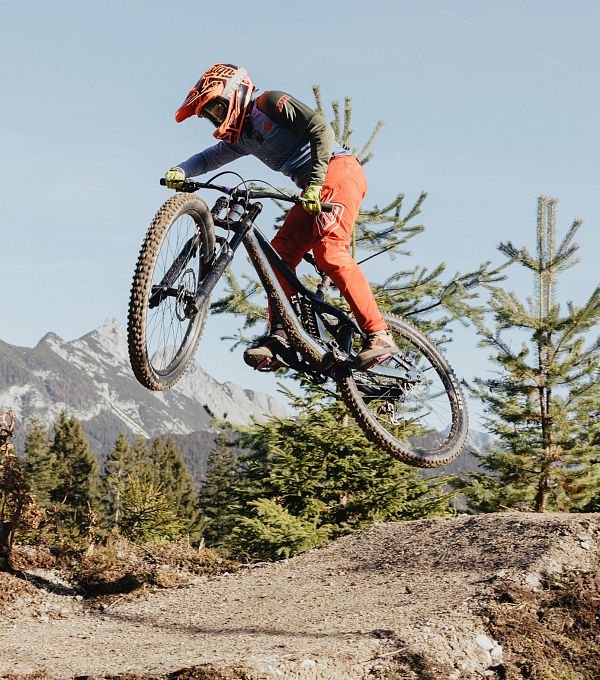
(228, 248)
(164, 288)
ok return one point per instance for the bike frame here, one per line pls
(266, 260)
(324, 353)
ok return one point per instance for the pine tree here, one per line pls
(39, 463)
(78, 489)
(326, 478)
(273, 533)
(117, 466)
(147, 514)
(586, 407)
(537, 407)
(175, 480)
(219, 493)
(141, 487)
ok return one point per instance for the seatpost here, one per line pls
(323, 287)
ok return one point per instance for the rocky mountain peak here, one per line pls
(109, 338)
(49, 339)
(91, 378)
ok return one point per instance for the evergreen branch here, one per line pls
(495, 341)
(587, 315)
(521, 255)
(392, 246)
(347, 117)
(335, 123)
(569, 236)
(362, 156)
(416, 209)
(463, 283)
(318, 101)
(564, 260)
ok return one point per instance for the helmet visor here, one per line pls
(215, 111)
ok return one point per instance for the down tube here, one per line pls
(273, 288)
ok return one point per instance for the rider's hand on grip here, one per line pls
(311, 198)
(174, 178)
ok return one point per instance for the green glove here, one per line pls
(311, 198)
(174, 177)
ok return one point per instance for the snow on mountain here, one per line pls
(91, 379)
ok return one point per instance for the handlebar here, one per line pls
(189, 186)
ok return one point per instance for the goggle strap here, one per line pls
(235, 80)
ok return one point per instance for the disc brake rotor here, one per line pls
(185, 294)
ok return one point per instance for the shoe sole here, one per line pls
(374, 361)
(268, 365)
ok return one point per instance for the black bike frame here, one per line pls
(265, 258)
(257, 244)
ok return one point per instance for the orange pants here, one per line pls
(328, 236)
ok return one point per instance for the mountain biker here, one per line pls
(290, 137)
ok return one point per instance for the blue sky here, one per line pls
(486, 105)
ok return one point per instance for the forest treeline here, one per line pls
(272, 490)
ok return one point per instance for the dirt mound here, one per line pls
(504, 595)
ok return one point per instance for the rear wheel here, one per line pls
(163, 327)
(411, 404)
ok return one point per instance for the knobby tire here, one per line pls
(436, 452)
(179, 205)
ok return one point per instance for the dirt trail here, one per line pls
(405, 595)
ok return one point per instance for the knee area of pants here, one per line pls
(333, 258)
(333, 268)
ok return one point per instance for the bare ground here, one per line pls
(500, 595)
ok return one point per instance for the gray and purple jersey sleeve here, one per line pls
(211, 159)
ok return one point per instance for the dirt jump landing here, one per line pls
(461, 597)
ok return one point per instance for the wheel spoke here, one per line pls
(167, 323)
(418, 416)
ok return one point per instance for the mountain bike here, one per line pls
(411, 404)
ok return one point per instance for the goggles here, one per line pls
(215, 111)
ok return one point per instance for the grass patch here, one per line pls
(121, 566)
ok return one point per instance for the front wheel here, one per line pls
(163, 325)
(411, 404)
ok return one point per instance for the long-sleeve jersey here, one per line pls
(283, 133)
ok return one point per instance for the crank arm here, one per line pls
(408, 376)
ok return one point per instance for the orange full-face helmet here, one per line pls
(222, 95)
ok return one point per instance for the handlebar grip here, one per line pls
(183, 185)
(327, 207)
